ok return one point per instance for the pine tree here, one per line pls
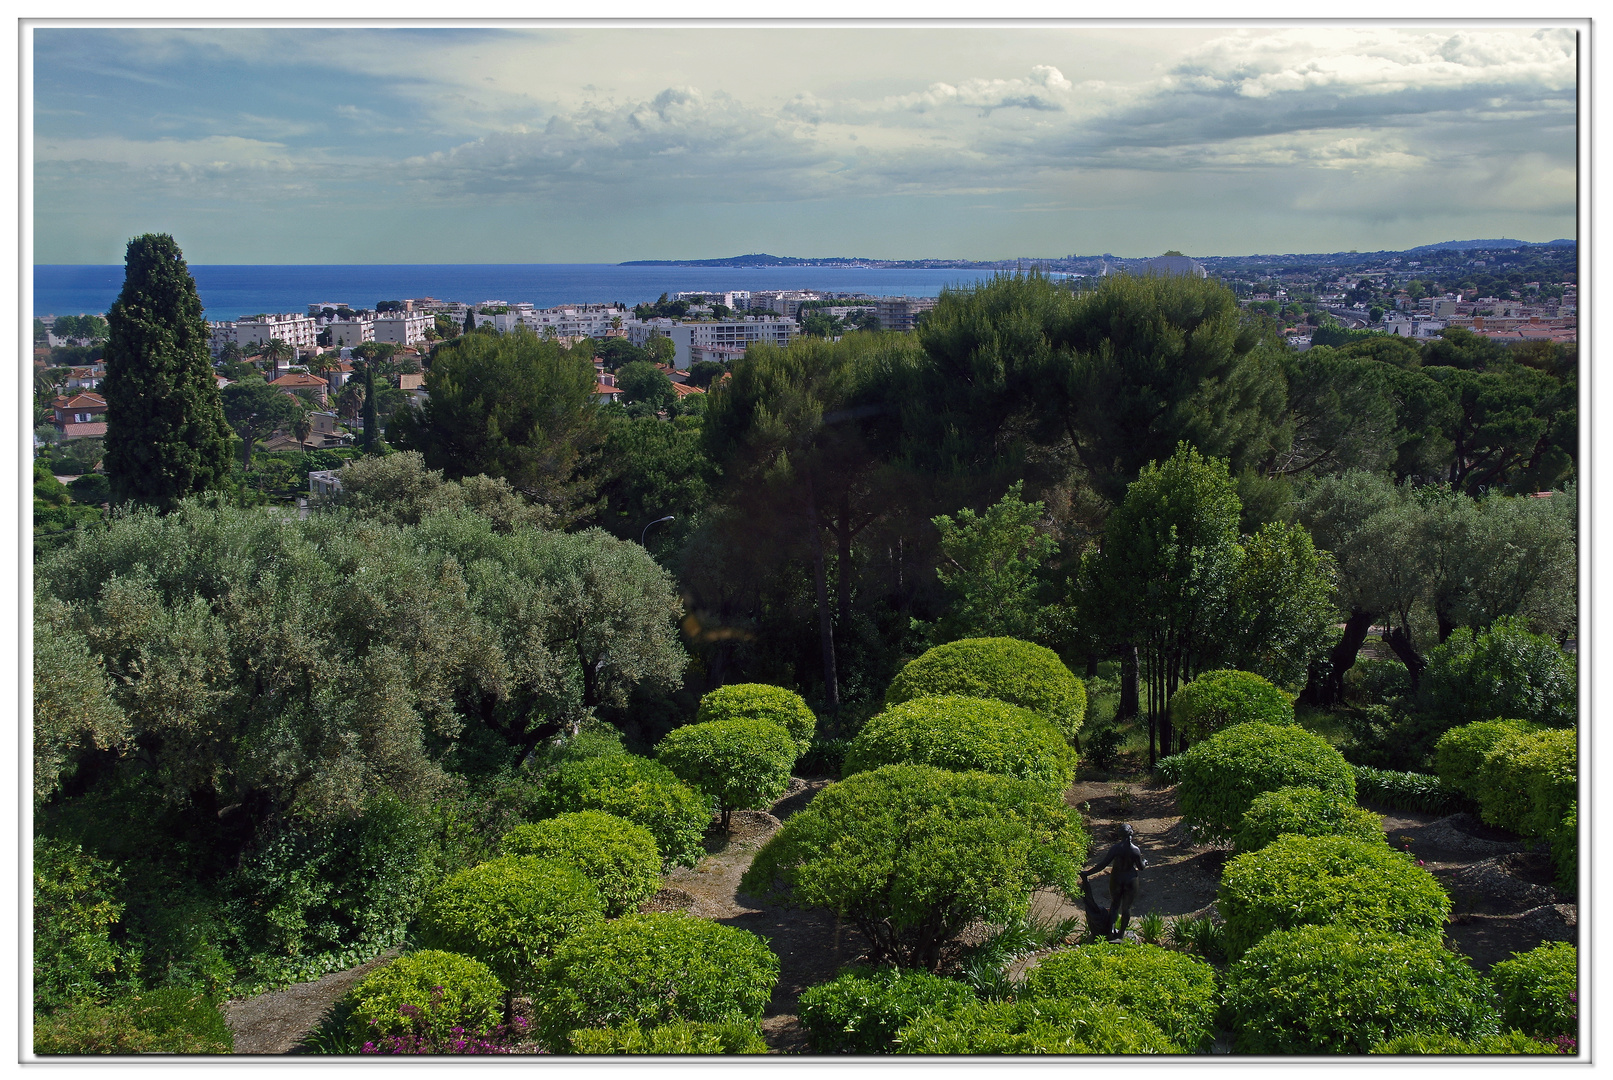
(166, 437)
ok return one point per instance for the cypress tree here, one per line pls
(470, 319)
(166, 437)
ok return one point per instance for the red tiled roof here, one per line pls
(75, 431)
(82, 401)
(607, 391)
(297, 378)
(684, 389)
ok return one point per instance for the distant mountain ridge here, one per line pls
(1493, 245)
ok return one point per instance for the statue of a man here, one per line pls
(1126, 861)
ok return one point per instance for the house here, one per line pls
(607, 392)
(86, 378)
(324, 484)
(81, 416)
(301, 380)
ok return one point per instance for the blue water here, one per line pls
(229, 292)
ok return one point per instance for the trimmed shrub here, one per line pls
(1305, 812)
(1328, 880)
(1221, 776)
(965, 734)
(644, 792)
(1459, 754)
(653, 970)
(1421, 792)
(75, 908)
(1439, 1042)
(172, 1020)
(1502, 671)
(1565, 850)
(1220, 699)
(1528, 780)
(428, 993)
(740, 764)
(1539, 990)
(510, 914)
(618, 856)
(680, 1037)
(860, 1010)
(1007, 669)
(1175, 992)
(1033, 1027)
(1331, 990)
(910, 855)
(758, 701)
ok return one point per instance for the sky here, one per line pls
(555, 144)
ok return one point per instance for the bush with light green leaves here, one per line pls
(758, 701)
(965, 734)
(1528, 780)
(644, 792)
(442, 991)
(1439, 1042)
(1304, 811)
(1459, 753)
(1220, 778)
(619, 857)
(1539, 990)
(1007, 669)
(1328, 880)
(740, 764)
(1175, 992)
(860, 1010)
(1220, 699)
(1033, 1027)
(680, 1037)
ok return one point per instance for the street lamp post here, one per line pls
(657, 521)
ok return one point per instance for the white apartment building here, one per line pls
(901, 312)
(738, 299)
(298, 331)
(725, 340)
(405, 328)
(782, 301)
(350, 332)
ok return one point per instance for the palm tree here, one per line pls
(275, 351)
(302, 428)
(351, 399)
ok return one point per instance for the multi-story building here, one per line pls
(81, 416)
(901, 312)
(351, 332)
(725, 340)
(298, 331)
(405, 328)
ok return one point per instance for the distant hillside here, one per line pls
(1491, 245)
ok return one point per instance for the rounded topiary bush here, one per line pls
(510, 913)
(740, 764)
(1007, 669)
(681, 1037)
(1332, 990)
(653, 970)
(428, 993)
(1328, 880)
(861, 1009)
(1220, 699)
(1539, 990)
(965, 734)
(1174, 991)
(619, 857)
(758, 701)
(1439, 1042)
(644, 792)
(1219, 778)
(1033, 1027)
(1459, 753)
(1528, 780)
(1304, 811)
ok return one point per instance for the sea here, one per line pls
(230, 292)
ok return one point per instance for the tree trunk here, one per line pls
(843, 562)
(1129, 706)
(1400, 642)
(1447, 626)
(826, 634)
(1328, 688)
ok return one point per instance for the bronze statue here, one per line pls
(1126, 861)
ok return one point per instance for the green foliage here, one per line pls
(989, 564)
(740, 764)
(679, 1037)
(73, 708)
(1539, 990)
(1459, 754)
(1528, 781)
(1564, 842)
(1175, 992)
(644, 792)
(1503, 671)
(758, 701)
(653, 970)
(1222, 698)
(861, 1009)
(1281, 611)
(619, 857)
(641, 380)
(398, 489)
(1440, 1042)
(1420, 792)
(1304, 811)
(823, 757)
(170, 1020)
(1033, 1027)
(76, 908)
(1332, 990)
(254, 409)
(1328, 880)
(1221, 776)
(166, 437)
(965, 734)
(430, 992)
(511, 914)
(1009, 670)
(911, 855)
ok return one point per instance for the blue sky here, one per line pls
(607, 144)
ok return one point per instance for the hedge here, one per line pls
(1174, 991)
(1528, 780)
(644, 792)
(653, 970)
(1328, 880)
(1220, 699)
(1033, 1027)
(440, 990)
(758, 701)
(1007, 669)
(740, 764)
(170, 1020)
(679, 1037)
(1304, 811)
(1565, 850)
(619, 857)
(510, 913)
(911, 855)
(1459, 753)
(1439, 1042)
(1220, 777)
(965, 734)
(860, 1010)
(1423, 793)
(1332, 990)
(1539, 990)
